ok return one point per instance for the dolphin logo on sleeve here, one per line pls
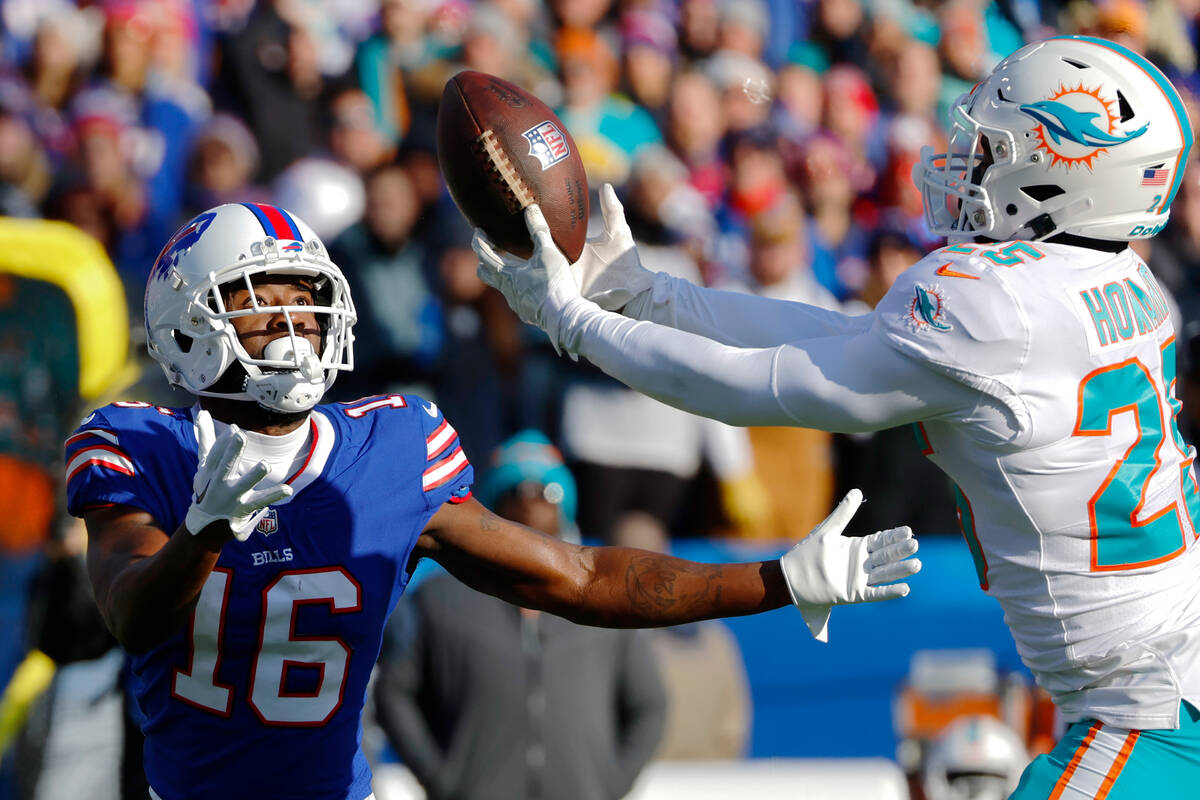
(928, 310)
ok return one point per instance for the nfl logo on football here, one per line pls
(269, 523)
(547, 143)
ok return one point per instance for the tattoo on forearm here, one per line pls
(656, 587)
(488, 522)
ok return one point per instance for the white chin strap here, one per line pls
(294, 390)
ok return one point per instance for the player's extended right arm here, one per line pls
(846, 382)
(611, 274)
(145, 582)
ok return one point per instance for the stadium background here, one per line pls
(759, 145)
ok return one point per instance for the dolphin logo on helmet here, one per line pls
(1063, 122)
(1059, 139)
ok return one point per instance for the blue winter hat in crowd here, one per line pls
(529, 457)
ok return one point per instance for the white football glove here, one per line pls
(609, 271)
(219, 492)
(539, 289)
(826, 569)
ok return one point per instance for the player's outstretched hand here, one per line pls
(219, 492)
(609, 272)
(538, 289)
(826, 569)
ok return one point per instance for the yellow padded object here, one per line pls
(63, 255)
(32, 677)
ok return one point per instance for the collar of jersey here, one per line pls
(319, 448)
(318, 454)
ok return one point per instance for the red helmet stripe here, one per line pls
(275, 221)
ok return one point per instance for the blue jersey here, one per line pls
(261, 694)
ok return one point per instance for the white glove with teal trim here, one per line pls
(219, 492)
(826, 568)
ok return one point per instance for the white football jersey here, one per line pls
(1077, 494)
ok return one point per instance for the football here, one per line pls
(501, 149)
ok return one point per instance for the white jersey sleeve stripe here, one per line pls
(444, 470)
(439, 440)
(108, 436)
(106, 457)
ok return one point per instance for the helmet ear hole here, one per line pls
(986, 160)
(182, 340)
(1124, 107)
(1043, 191)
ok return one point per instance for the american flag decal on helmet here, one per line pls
(1155, 176)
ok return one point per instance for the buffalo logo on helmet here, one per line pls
(1075, 125)
(183, 240)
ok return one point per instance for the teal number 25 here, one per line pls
(1123, 535)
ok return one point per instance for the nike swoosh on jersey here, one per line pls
(945, 271)
(431, 410)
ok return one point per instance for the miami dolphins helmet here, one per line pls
(976, 757)
(1068, 135)
(189, 330)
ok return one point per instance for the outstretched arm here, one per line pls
(611, 274)
(616, 587)
(736, 318)
(852, 381)
(623, 587)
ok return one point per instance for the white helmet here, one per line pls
(976, 757)
(1068, 135)
(188, 328)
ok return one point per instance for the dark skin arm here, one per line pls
(612, 587)
(145, 582)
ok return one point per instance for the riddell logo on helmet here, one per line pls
(1075, 125)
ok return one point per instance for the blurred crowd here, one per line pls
(758, 145)
(762, 146)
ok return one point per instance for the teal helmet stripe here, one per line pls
(1169, 91)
